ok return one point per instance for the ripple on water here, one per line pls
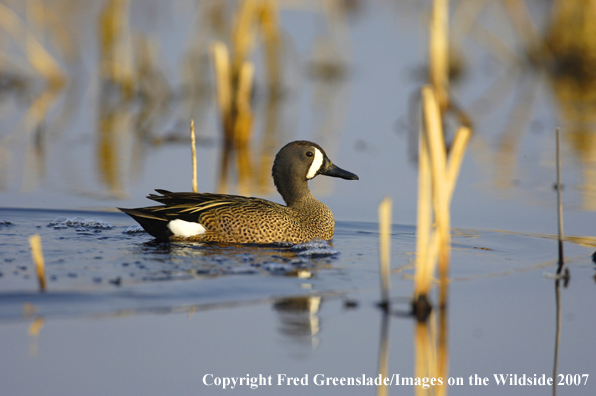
(315, 248)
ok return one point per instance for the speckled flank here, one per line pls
(254, 222)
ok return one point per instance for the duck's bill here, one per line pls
(336, 171)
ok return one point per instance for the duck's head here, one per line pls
(299, 161)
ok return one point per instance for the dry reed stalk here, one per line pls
(115, 46)
(221, 64)
(272, 40)
(385, 208)
(233, 94)
(37, 255)
(245, 82)
(244, 33)
(437, 178)
(438, 163)
(439, 51)
(111, 123)
(193, 150)
(243, 126)
(559, 202)
(424, 264)
(430, 190)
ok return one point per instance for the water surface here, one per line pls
(179, 312)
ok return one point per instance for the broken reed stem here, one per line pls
(37, 255)
(559, 202)
(385, 208)
(193, 150)
(456, 157)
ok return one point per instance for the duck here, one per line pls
(223, 218)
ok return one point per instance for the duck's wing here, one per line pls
(173, 199)
(184, 206)
(181, 204)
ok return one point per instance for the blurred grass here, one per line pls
(136, 96)
(43, 40)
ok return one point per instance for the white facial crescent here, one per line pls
(317, 162)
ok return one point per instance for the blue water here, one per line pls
(158, 317)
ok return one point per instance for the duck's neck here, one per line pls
(294, 192)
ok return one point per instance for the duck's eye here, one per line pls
(309, 153)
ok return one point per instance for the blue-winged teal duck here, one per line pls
(206, 217)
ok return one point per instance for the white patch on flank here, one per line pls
(317, 162)
(185, 229)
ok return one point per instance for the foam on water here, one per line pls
(136, 229)
(79, 223)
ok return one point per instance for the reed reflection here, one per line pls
(432, 353)
(299, 319)
(383, 389)
(557, 333)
